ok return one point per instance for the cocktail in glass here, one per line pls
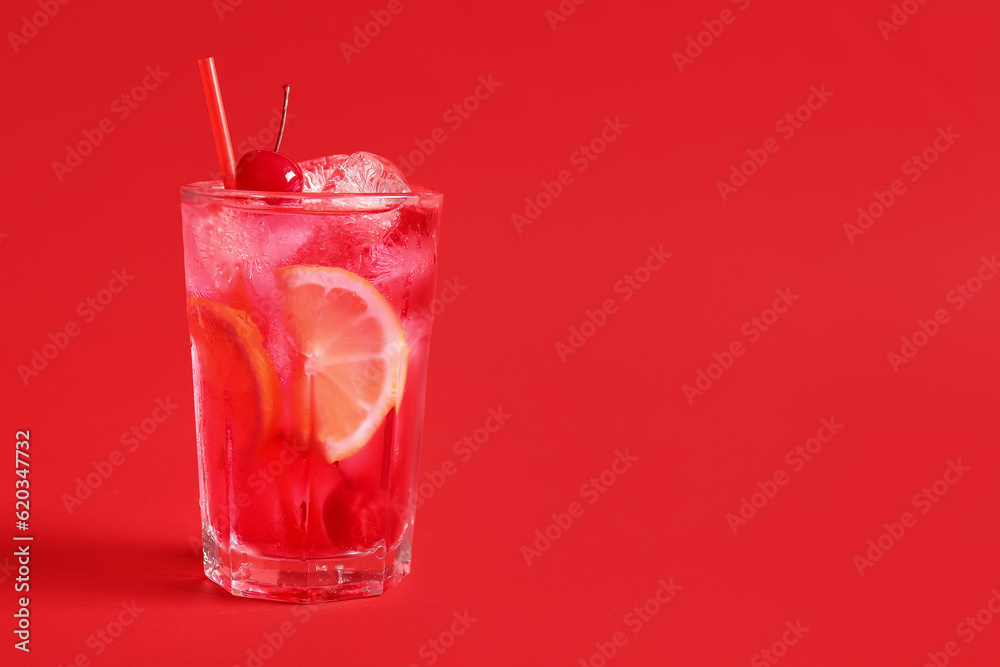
(310, 320)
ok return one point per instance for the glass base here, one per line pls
(357, 575)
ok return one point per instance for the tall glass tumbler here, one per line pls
(310, 321)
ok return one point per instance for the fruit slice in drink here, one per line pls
(350, 367)
(352, 356)
(237, 397)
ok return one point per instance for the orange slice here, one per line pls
(240, 385)
(352, 355)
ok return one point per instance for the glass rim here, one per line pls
(215, 190)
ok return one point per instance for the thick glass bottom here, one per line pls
(358, 575)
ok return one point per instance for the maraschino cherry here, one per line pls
(270, 171)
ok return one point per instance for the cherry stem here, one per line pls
(284, 114)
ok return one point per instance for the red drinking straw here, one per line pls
(217, 116)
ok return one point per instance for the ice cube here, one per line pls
(359, 172)
(367, 172)
(226, 242)
(321, 171)
(348, 241)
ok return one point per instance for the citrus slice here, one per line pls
(240, 390)
(352, 355)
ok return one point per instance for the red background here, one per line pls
(495, 346)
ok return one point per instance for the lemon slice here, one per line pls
(352, 355)
(237, 377)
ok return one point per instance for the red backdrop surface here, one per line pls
(763, 499)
